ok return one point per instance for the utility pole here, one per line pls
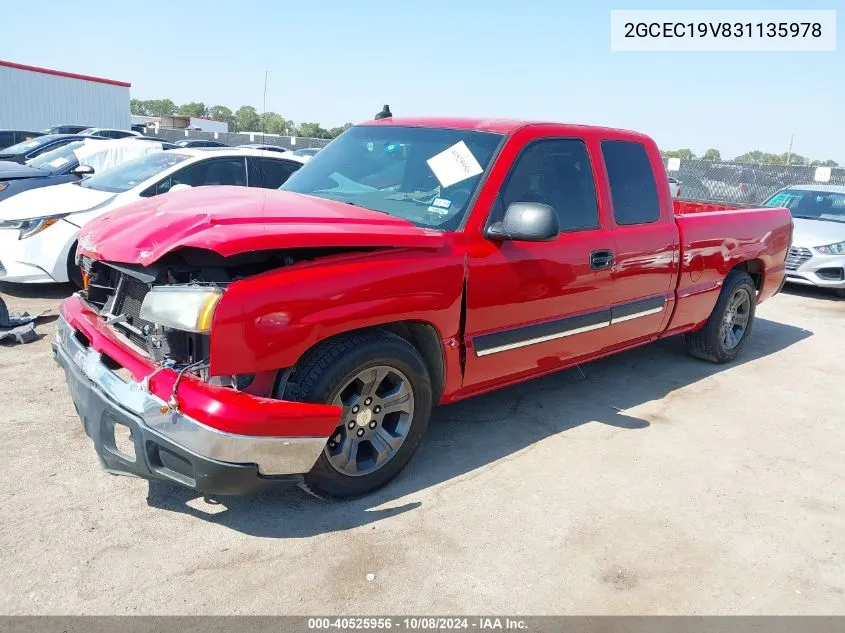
(789, 152)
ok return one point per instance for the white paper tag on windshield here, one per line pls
(58, 162)
(454, 164)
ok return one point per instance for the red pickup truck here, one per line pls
(228, 339)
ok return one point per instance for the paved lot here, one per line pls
(654, 483)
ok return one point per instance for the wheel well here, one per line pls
(754, 268)
(423, 336)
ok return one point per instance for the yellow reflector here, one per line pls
(206, 313)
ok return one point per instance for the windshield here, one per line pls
(811, 205)
(424, 175)
(132, 173)
(57, 159)
(22, 148)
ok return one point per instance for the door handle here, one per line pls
(600, 260)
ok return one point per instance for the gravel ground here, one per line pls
(652, 483)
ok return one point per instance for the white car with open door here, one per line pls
(38, 228)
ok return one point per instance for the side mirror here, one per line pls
(179, 187)
(82, 170)
(526, 222)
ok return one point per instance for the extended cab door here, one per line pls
(645, 239)
(533, 306)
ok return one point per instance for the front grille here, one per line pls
(797, 257)
(127, 303)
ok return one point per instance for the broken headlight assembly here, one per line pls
(185, 308)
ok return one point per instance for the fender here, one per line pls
(267, 322)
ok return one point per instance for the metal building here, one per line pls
(34, 98)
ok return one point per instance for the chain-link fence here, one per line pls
(241, 138)
(745, 183)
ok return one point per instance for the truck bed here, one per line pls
(715, 238)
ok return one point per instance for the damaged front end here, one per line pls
(166, 310)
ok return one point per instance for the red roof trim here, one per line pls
(59, 73)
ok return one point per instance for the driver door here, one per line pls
(533, 306)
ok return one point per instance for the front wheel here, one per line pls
(382, 385)
(74, 273)
(726, 331)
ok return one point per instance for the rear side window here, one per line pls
(269, 173)
(7, 139)
(632, 186)
(555, 172)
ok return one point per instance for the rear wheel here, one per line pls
(381, 384)
(726, 331)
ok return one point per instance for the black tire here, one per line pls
(4, 314)
(324, 371)
(708, 343)
(74, 273)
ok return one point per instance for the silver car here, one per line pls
(817, 256)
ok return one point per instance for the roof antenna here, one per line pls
(264, 112)
(384, 114)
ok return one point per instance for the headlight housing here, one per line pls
(187, 308)
(832, 249)
(30, 227)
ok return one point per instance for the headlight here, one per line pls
(832, 249)
(187, 308)
(3, 185)
(30, 227)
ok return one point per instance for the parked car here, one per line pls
(62, 165)
(675, 187)
(13, 137)
(38, 228)
(22, 152)
(51, 168)
(65, 129)
(137, 127)
(266, 148)
(307, 152)
(817, 255)
(314, 328)
(109, 133)
(198, 142)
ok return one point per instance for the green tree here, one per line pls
(337, 131)
(312, 130)
(273, 123)
(712, 154)
(194, 108)
(161, 107)
(222, 113)
(824, 163)
(683, 154)
(138, 107)
(247, 119)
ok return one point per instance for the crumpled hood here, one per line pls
(55, 200)
(10, 170)
(810, 233)
(232, 220)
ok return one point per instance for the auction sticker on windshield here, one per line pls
(454, 164)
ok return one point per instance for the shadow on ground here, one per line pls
(812, 292)
(479, 431)
(37, 291)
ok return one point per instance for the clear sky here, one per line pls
(333, 61)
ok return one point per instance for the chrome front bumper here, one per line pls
(200, 453)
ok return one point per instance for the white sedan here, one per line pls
(38, 228)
